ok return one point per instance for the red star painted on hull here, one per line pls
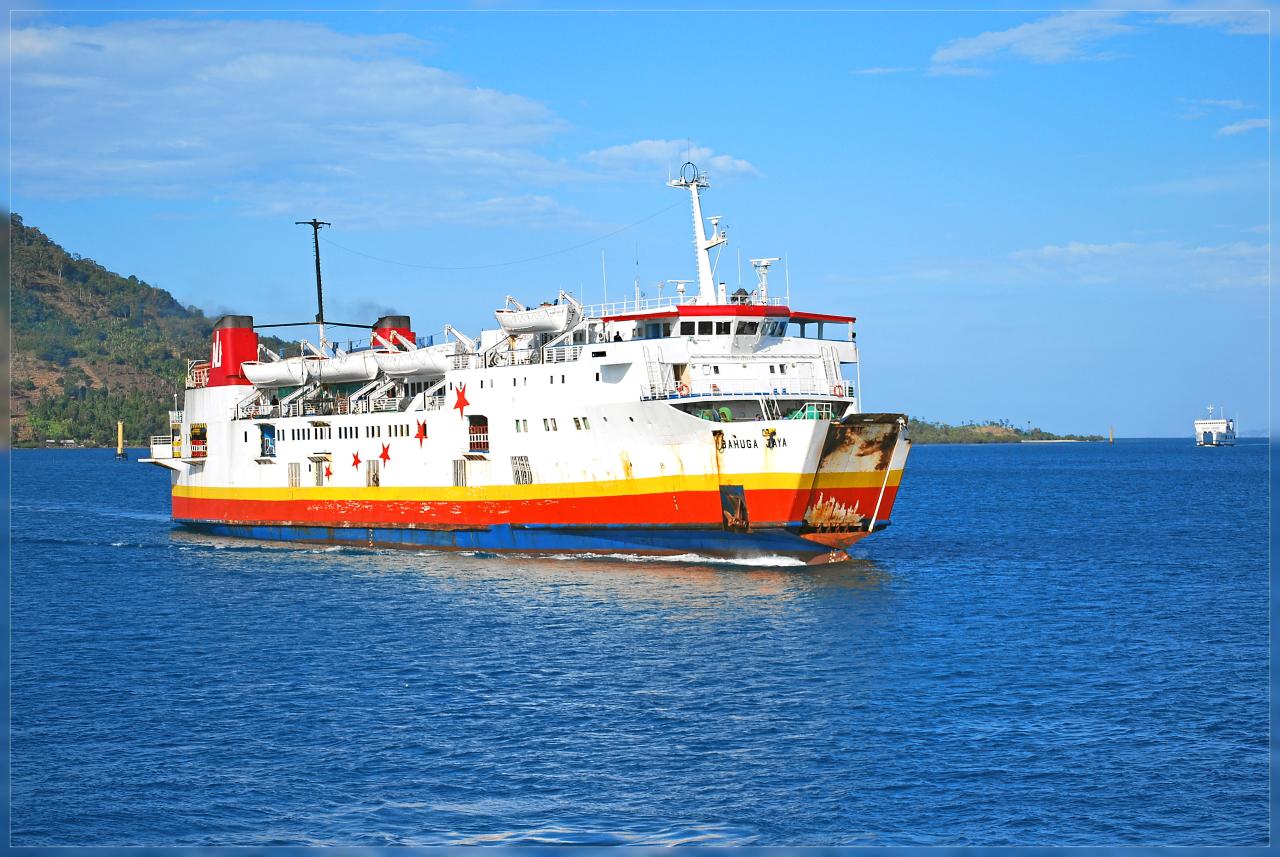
(462, 402)
(328, 471)
(386, 453)
(355, 459)
(422, 432)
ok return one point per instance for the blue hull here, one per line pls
(505, 538)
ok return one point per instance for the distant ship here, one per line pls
(710, 423)
(1215, 431)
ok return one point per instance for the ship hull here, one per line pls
(816, 489)
(534, 540)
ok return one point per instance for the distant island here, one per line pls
(91, 347)
(993, 431)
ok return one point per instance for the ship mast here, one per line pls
(315, 235)
(692, 179)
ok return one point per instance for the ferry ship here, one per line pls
(1215, 432)
(708, 423)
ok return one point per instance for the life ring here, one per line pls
(837, 390)
(683, 390)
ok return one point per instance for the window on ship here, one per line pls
(478, 433)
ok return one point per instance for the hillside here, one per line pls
(994, 431)
(90, 346)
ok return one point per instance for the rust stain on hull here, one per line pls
(864, 443)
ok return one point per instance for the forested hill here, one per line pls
(91, 347)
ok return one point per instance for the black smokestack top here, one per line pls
(400, 321)
(233, 321)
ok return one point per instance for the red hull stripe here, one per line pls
(686, 508)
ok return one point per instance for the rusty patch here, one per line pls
(862, 436)
(835, 541)
(733, 508)
(831, 514)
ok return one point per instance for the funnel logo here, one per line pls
(216, 359)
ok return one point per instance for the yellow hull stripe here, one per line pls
(550, 490)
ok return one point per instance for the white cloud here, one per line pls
(1236, 22)
(1243, 177)
(1075, 36)
(649, 156)
(1243, 126)
(1228, 103)
(1198, 108)
(1058, 38)
(274, 116)
(880, 69)
(1153, 266)
(1165, 264)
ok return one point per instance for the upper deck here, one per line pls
(686, 344)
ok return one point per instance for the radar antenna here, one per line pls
(762, 271)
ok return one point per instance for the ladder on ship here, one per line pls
(661, 376)
(430, 392)
(305, 390)
(832, 366)
(375, 388)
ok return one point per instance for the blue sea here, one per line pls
(1060, 644)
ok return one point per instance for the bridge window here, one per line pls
(705, 328)
(686, 328)
(748, 328)
(722, 328)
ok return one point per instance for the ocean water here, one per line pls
(1053, 644)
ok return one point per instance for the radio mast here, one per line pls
(315, 236)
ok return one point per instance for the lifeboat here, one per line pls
(356, 366)
(432, 360)
(290, 372)
(548, 318)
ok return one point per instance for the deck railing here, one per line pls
(641, 304)
(197, 373)
(561, 354)
(257, 410)
(772, 389)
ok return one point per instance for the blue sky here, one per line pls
(1055, 217)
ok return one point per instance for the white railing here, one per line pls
(162, 446)
(466, 360)
(623, 307)
(561, 354)
(258, 410)
(197, 373)
(771, 388)
(517, 357)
